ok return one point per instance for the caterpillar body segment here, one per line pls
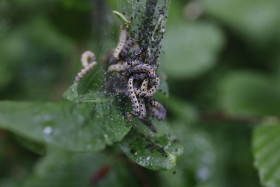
(121, 44)
(84, 71)
(157, 110)
(143, 111)
(140, 76)
(120, 66)
(155, 85)
(143, 68)
(123, 66)
(87, 58)
(88, 61)
(132, 96)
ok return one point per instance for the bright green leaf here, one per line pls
(266, 143)
(75, 127)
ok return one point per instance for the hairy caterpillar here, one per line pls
(88, 66)
(132, 96)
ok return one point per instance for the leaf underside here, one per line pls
(266, 144)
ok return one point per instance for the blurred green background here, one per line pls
(221, 58)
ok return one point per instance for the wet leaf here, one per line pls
(156, 151)
(266, 142)
(193, 51)
(80, 169)
(71, 126)
(245, 93)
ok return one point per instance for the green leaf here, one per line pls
(192, 49)
(266, 143)
(245, 93)
(156, 151)
(71, 126)
(257, 20)
(198, 164)
(80, 169)
(72, 94)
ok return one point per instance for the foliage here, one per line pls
(221, 60)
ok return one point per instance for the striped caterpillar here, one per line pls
(88, 61)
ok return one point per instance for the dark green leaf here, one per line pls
(266, 143)
(156, 151)
(71, 126)
(198, 163)
(247, 93)
(72, 170)
(257, 20)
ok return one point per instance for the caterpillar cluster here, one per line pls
(135, 79)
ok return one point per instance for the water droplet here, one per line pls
(47, 130)
(148, 158)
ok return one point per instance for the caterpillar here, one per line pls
(144, 91)
(87, 55)
(128, 45)
(122, 66)
(140, 76)
(121, 44)
(131, 94)
(155, 85)
(143, 68)
(133, 63)
(143, 111)
(157, 110)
